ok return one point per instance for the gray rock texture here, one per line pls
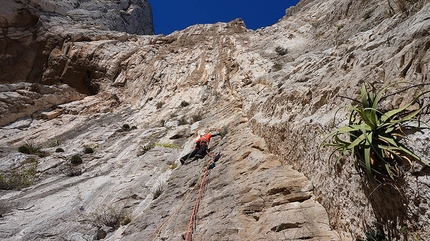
(273, 93)
(32, 29)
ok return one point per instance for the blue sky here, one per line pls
(171, 15)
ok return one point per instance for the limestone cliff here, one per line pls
(29, 31)
(272, 93)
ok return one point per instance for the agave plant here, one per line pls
(373, 136)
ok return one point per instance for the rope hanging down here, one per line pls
(192, 223)
(211, 164)
(158, 230)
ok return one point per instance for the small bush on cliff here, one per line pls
(29, 148)
(88, 150)
(158, 191)
(112, 216)
(76, 159)
(281, 51)
(20, 177)
(374, 136)
(24, 149)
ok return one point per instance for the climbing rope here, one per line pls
(192, 223)
(157, 232)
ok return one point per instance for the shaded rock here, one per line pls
(22, 100)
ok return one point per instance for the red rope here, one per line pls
(192, 224)
(158, 230)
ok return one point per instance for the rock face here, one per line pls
(272, 93)
(29, 36)
(24, 99)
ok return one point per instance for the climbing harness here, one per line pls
(192, 223)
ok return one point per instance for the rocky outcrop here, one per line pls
(272, 93)
(130, 16)
(25, 99)
(25, 49)
(305, 105)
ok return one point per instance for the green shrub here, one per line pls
(134, 127)
(29, 148)
(184, 103)
(76, 159)
(88, 150)
(374, 135)
(20, 177)
(126, 127)
(24, 149)
(281, 51)
(158, 191)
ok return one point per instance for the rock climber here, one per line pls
(201, 149)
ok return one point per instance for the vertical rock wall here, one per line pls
(276, 108)
(25, 49)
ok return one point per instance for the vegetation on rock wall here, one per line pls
(374, 135)
(20, 177)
